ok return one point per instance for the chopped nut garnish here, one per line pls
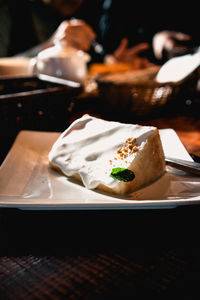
(129, 147)
(131, 140)
(135, 148)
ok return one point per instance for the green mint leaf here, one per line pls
(122, 174)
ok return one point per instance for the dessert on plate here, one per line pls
(110, 156)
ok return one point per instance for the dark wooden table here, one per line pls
(105, 254)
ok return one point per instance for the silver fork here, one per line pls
(184, 165)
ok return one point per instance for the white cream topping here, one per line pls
(89, 147)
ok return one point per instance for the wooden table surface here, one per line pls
(105, 254)
(187, 128)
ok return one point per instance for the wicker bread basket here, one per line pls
(137, 91)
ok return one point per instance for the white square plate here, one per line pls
(28, 182)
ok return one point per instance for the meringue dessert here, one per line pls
(110, 156)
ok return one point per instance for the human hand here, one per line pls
(75, 33)
(170, 43)
(131, 55)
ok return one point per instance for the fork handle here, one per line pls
(184, 165)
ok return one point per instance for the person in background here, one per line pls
(29, 26)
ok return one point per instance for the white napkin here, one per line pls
(178, 68)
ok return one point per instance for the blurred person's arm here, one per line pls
(170, 43)
(73, 33)
(131, 55)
